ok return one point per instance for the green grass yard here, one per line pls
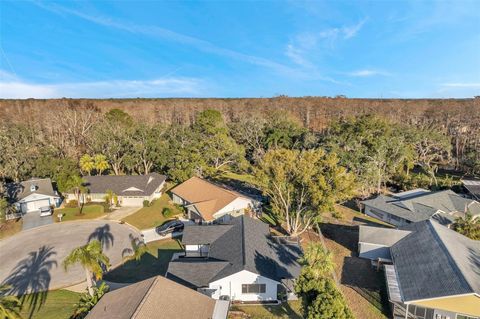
(59, 304)
(10, 228)
(153, 263)
(289, 310)
(149, 217)
(89, 211)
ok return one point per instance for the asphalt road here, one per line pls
(32, 259)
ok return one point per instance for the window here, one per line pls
(254, 288)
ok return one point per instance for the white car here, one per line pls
(45, 211)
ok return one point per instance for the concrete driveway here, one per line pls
(32, 260)
(33, 219)
(121, 212)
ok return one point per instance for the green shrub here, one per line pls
(167, 212)
(72, 203)
(146, 203)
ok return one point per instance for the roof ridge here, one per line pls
(243, 240)
(448, 253)
(144, 298)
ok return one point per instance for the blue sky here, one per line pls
(239, 48)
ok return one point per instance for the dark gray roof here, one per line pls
(424, 205)
(246, 245)
(473, 186)
(124, 185)
(18, 191)
(194, 235)
(434, 261)
(380, 236)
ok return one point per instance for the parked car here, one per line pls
(45, 211)
(170, 227)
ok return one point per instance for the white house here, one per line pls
(131, 190)
(29, 196)
(207, 202)
(238, 259)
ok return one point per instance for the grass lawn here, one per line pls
(59, 304)
(153, 263)
(10, 228)
(292, 310)
(247, 178)
(88, 212)
(149, 217)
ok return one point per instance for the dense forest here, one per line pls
(67, 122)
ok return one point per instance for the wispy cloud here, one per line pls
(367, 73)
(166, 34)
(12, 87)
(462, 85)
(302, 45)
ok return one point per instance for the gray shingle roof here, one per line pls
(124, 185)
(18, 191)
(473, 187)
(380, 236)
(423, 205)
(434, 261)
(246, 245)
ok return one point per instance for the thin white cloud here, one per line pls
(163, 33)
(14, 88)
(462, 85)
(367, 73)
(300, 48)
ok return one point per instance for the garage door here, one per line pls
(35, 205)
(132, 201)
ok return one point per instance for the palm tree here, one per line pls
(101, 163)
(138, 250)
(87, 301)
(86, 164)
(76, 184)
(468, 226)
(317, 261)
(92, 259)
(9, 305)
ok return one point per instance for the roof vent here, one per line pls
(33, 188)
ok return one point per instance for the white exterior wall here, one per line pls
(232, 286)
(34, 201)
(238, 204)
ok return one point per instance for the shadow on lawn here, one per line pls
(358, 274)
(147, 267)
(30, 279)
(345, 235)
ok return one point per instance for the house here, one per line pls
(131, 190)
(206, 202)
(431, 271)
(29, 196)
(418, 205)
(472, 185)
(158, 297)
(238, 259)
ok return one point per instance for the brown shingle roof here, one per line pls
(157, 297)
(207, 197)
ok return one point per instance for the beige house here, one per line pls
(208, 202)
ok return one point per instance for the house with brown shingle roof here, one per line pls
(208, 202)
(158, 297)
